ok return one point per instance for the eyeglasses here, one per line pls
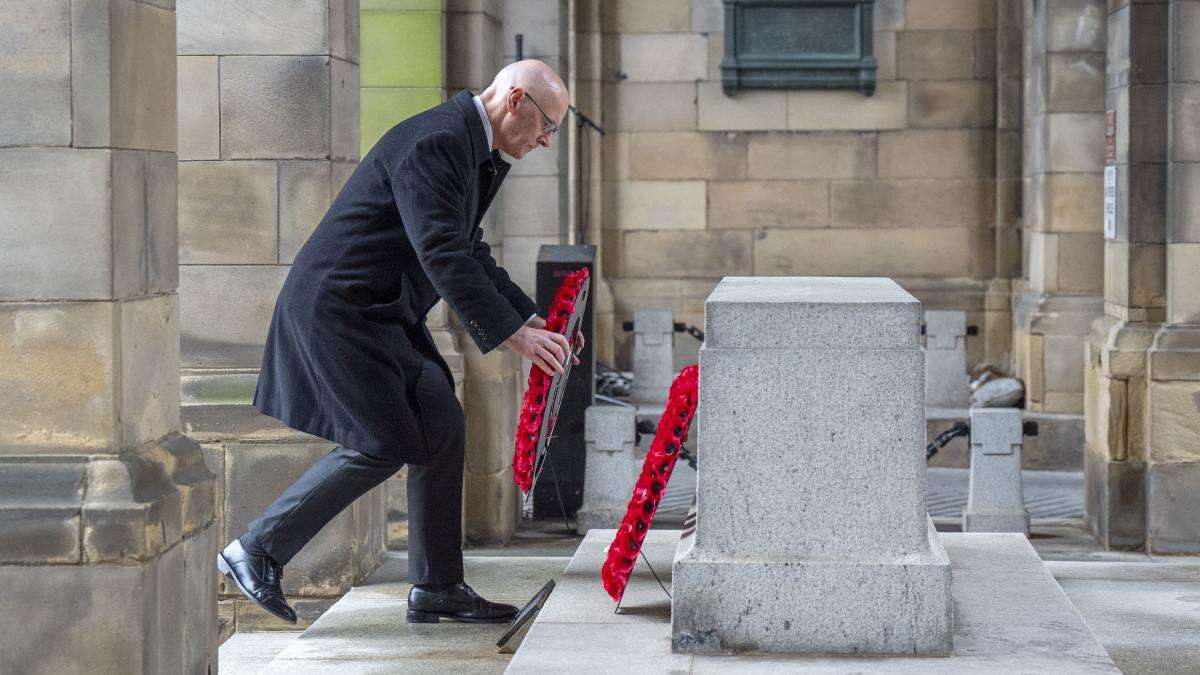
(551, 125)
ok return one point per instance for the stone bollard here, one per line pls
(653, 354)
(996, 501)
(946, 383)
(811, 531)
(611, 468)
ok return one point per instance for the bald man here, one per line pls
(348, 356)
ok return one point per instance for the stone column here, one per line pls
(1060, 296)
(532, 206)
(107, 538)
(268, 133)
(1134, 275)
(1173, 372)
(532, 209)
(492, 384)
(812, 533)
(997, 315)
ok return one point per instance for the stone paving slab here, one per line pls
(1146, 614)
(1142, 608)
(1010, 616)
(366, 631)
(251, 651)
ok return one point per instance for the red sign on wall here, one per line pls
(1110, 136)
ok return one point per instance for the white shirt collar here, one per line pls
(487, 124)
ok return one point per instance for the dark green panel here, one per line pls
(794, 44)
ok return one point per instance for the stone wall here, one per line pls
(107, 537)
(698, 185)
(270, 133)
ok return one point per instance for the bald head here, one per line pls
(536, 77)
(524, 102)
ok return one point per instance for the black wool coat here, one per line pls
(347, 342)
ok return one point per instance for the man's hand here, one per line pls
(546, 349)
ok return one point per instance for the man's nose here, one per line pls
(544, 140)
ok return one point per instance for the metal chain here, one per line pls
(690, 330)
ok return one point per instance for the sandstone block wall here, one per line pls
(697, 184)
(271, 134)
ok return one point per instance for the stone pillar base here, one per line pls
(106, 561)
(1114, 459)
(1114, 494)
(254, 471)
(1173, 427)
(885, 606)
(1048, 341)
(157, 617)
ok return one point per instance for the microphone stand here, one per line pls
(581, 121)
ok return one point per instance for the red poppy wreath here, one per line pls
(656, 471)
(530, 423)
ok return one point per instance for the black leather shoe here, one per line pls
(257, 577)
(458, 602)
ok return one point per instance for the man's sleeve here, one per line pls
(429, 189)
(507, 287)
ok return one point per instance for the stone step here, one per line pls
(366, 630)
(250, 652)
(1144, 613)
(1010, 616)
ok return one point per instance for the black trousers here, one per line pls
(336, 480)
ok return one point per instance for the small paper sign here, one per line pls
(1110, 201)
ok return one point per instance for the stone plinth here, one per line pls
(812, 533)
(610, 435)
(996, 502)
(946, 382)
(653, 354)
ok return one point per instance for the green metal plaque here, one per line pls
(799, 44)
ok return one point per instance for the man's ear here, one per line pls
(513, 98)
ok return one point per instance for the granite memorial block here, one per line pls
(812, 533)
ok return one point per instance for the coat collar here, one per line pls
(480, 150)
